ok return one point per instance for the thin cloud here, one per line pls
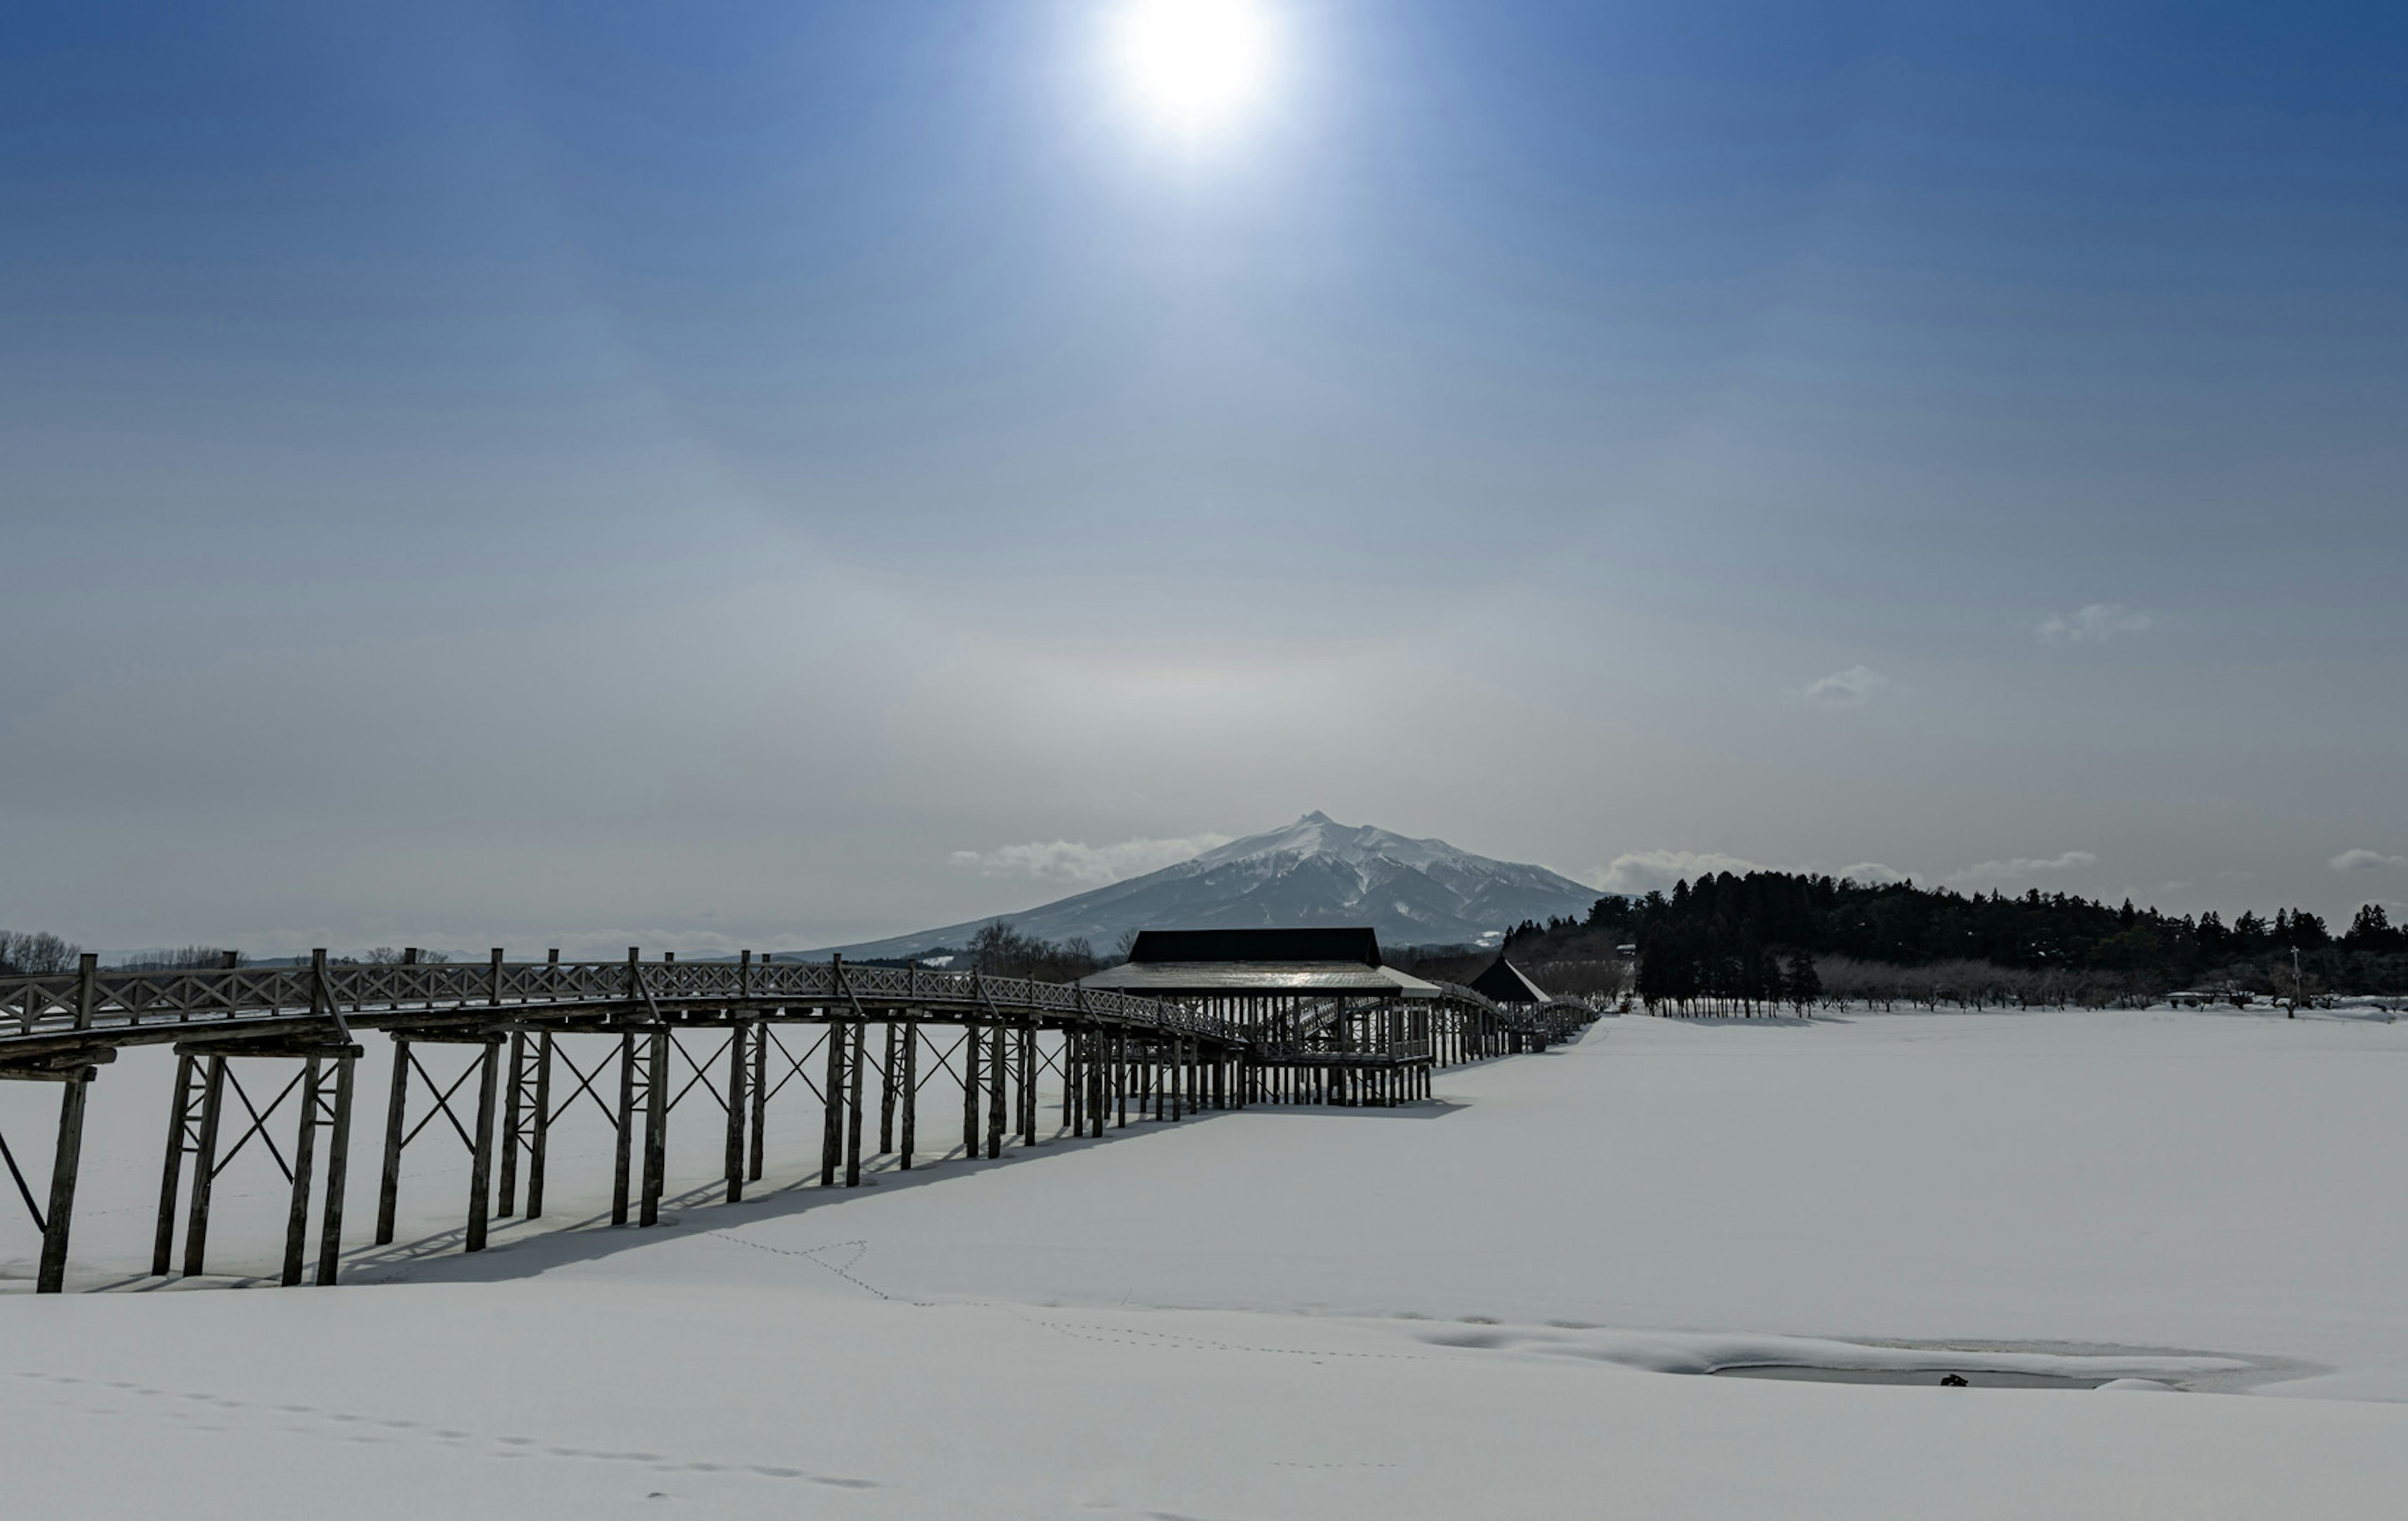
(2362, 860)
(1079, 864)
(1638, 872)
(1856, 687)
(2024, 865)
(1873, 874)
(2094, 624)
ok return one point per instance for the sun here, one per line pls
(1194, 67)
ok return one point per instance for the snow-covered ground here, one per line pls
(1488, 1305)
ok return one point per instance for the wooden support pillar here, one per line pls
(480, 1162)
(656, 1125)
(909, 1082)
(397, 1108)
(1121, 1075)
(66, 1163)
(513, 1081)
(339, 1170)
(205, 1168)
(540, 1131)
(889, 1074)
(737, 1068)
(506, 1142)
(832, 1106)
(971, 1091)
(854, 1062)
(998, 1065)
(760, 1093)
(297, 1218)
(1175, 1078)
(623, 1155)
(179, 1140)
(1029, 1083)
(1074, 1084)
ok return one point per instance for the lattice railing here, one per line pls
(118, 1002)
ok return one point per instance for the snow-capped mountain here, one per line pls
(1314, 872)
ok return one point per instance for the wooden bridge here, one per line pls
(993, 1036)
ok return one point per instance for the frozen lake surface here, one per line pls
(1472, 1308)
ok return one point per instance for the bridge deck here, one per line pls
(1111, 1050)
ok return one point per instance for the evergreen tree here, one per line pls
(1803, 984)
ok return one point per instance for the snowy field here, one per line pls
(1496, 1304)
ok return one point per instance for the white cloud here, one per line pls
(2024, 866)
(2094, 624)
(1643, 871)
(2366, 861)
(1852, 688)
(1872, 874)
(1083, 864)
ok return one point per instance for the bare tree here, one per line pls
(39, 953)
(183, 958)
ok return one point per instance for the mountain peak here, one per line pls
(1314, 872)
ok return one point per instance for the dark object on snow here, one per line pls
(1954, 1381)
(1505, 983)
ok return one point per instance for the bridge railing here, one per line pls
(115, 1002)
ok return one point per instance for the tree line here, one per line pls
(41, 954)
(1759, 940)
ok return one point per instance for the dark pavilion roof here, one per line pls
(1505, 983)
(1359, 945)
(1312, 963)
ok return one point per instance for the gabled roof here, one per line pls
(1359, 946)
(1306, 979)
(1504, 982)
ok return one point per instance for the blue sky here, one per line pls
(691, 473)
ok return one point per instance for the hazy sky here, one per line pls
(732, 474)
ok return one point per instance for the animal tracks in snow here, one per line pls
(202, 1412)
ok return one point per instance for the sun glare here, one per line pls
(1193, 65)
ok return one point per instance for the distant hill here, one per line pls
(1314, 872)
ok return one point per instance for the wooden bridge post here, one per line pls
(512, 1082)
(888, 1075)
(297, 1218)
(623, 1156)
(911, 1085)
(760, 1092)
(397, 1110)
(1029, 1084)
(1121, 1074)
(338, 1167)
(1074, 1115)
(1024, 1086)
(970, 1091)
(205, 1168)
(480, 1163)
(737, 1036)
(832, 1106)
(539, 1134)
(656, 1124)
(1174, 1077)
(855, 1060)
(180, 1140)
(66, 1163)
(998, 1060)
